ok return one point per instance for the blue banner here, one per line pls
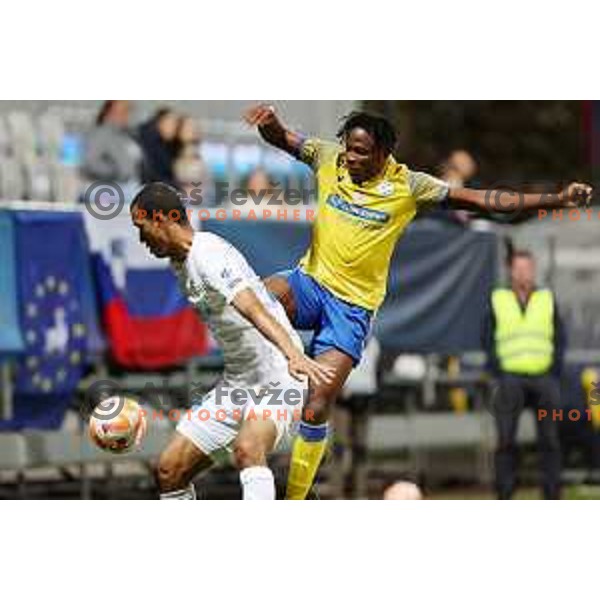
(57, 314)
(268, 246)
(440, 281)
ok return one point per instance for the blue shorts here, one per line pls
(336, 323)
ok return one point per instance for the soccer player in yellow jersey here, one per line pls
(365, 201)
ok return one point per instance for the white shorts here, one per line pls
(214, 423)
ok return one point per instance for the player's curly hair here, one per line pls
(378, 127)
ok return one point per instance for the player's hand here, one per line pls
(576, 195)
(260, 115)
(301, 366)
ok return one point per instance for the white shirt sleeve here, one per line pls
(427, 190)
(222, 267)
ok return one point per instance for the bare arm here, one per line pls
(272, 129)
(573, 196)
(249, 306)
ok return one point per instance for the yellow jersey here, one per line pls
(357, 226)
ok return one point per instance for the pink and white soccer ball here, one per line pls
(117, 425)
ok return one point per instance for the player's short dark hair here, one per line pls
(160, 198)
(378, 127)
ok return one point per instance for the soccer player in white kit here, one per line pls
(262, 391)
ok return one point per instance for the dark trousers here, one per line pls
(515, 393)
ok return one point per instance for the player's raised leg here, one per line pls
(335, 325)
(178, 464)
(252, 445)
(311, 440)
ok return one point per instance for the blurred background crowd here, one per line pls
(53, 151)
(417, 408)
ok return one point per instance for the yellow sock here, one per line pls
(307, 453)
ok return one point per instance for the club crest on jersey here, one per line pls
(385, 188)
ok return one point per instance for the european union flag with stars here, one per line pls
(58, 318)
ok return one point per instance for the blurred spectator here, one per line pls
(525, 342)
(259, 182)
(187, 137)
(192, 179)
(257, 191)
(459, 168)
(157, 137)
(111, 153)
(190, 172)
(262, 190)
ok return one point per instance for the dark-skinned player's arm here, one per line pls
(272, 129)
(250, 307)
(575, 195)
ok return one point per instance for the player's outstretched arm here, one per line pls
(249, 306)
(574, 195)
(272, 129)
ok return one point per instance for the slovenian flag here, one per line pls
(148, 322)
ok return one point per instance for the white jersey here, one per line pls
(211, 276)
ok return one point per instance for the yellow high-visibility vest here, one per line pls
(524, 339)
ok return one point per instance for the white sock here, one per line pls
(257, 483)
(188, 493)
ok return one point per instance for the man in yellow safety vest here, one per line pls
(525, 342)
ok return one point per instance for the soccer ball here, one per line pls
(117, 424)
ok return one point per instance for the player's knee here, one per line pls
(317, 409)
(249, 452)
(171, 473)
